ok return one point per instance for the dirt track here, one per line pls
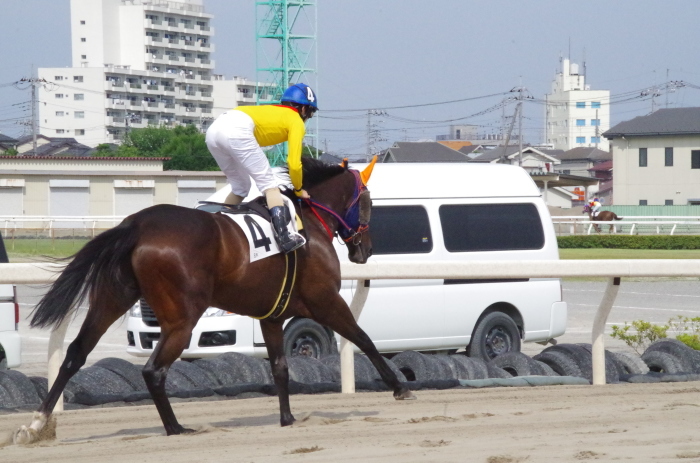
(633, 422)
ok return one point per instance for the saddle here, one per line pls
(258, 206)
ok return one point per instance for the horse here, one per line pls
(183, 261)
(603, 216)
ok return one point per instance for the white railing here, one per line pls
(659, 224)
(11, 222)
(373, 270)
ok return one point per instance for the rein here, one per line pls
(347, 229)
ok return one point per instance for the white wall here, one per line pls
(656, 182)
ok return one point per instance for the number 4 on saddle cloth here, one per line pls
(254, 219)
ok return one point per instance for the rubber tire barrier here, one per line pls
(662, 362)
(495, 372)
(364, 368)
(630, 364)
(688, 357)
(309, 370)
(41, 385)
(517, 364)
(194, 374)
(470, 368)
(128, 371)
(418, 367)
(478, 348)
(16, 390)
(560, 362)
(612, 370)
(546, 369)
(251, 369)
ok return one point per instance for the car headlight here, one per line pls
(135, 310)
(214, 312)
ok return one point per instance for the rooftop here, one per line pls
(670, 121)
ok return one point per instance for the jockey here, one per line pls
(595, 207)
(235, 138)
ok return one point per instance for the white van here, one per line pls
(10, 345)
(423, 212)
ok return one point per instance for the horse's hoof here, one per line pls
(404, 395)
(25, 435)
(287, 421)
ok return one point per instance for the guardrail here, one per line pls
(614, 270)
(654, 223)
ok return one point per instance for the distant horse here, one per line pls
(603, 216)
(183, 261)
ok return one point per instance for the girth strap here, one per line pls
(290, 275)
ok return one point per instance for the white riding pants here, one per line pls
(231, 140)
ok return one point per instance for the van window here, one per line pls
(491, 227)
(400, 230)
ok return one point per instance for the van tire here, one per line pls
(495, 335)
(306, 337)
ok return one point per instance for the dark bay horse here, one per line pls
(183, 261)
(603, 216)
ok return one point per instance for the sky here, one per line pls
(384, 54)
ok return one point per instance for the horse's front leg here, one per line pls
(274, 336)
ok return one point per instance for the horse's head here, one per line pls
(586, 208)
(345, 197)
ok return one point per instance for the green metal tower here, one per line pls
(286, 54)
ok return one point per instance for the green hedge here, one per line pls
(630, 241)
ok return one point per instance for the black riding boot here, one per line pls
(286, 241)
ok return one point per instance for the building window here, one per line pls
(58, 78)
(668, 202)
(83, 39)
(668, 162)
(642, 157)
(595, 139)
(595, 122)
(78, 78)
(79, 114)
(79, 96)
(59, 113)
(580, 139)
(59, 95)
(82, 23)
(580, 104)
(80, 131)
(580, 122)
(83, 56)
(642, 202)
(60, 131)
(595, 104)
(695, 159)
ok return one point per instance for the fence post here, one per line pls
(58, 336)
(347, 359)
(601, 316)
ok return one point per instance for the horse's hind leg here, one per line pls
(336, 315)
(274, 336)
(98, 319)
(173, 340)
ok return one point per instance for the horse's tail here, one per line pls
(101, 262)
(616, 217)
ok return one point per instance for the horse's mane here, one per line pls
(317, 172)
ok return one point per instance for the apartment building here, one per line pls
(576, 115)
(136, 63)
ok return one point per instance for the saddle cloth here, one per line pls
(258, 230)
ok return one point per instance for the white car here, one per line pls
(422, 212)
(10, 345)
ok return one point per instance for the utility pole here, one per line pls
(372, 131)
(597, 127)
(33, 83)
(519, 110)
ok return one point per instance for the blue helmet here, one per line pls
(301, 94)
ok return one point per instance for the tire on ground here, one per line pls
(472, 368)
(221, 370)
(364, 370)
(417, 367)
(517, 364)
(662, 362)
(127, 370)
(196, 375)
(250, 369)
(303, 336)
(497, 372)
(630, 364)
(95, 381)
(448, 368)
(560, 362)
(578, 354)
(612, 370)
(688, 357)
(41, 385)
(308, 370)
(545, 369)
(19, 390)
(495, 335)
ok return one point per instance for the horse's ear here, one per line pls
(365, 174)
(344, 163)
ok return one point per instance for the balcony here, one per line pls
(174, 41)
(189, 60)
(153, 87)
(204, 28)
(115, 104)
(153, 40)
(172, 58)
(169, 89)
(109, 85)
(115, 121)
(169, 106)
(134, 86)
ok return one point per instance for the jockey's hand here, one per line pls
(303, 194)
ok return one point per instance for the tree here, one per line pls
(148, 142)
(10, 152)
(187, 151)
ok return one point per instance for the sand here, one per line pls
(628, 422)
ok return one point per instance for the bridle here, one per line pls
(351, 228)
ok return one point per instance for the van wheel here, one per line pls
(496, 334)
(306, 337)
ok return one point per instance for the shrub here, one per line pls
(630, 241)
(640, 334)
